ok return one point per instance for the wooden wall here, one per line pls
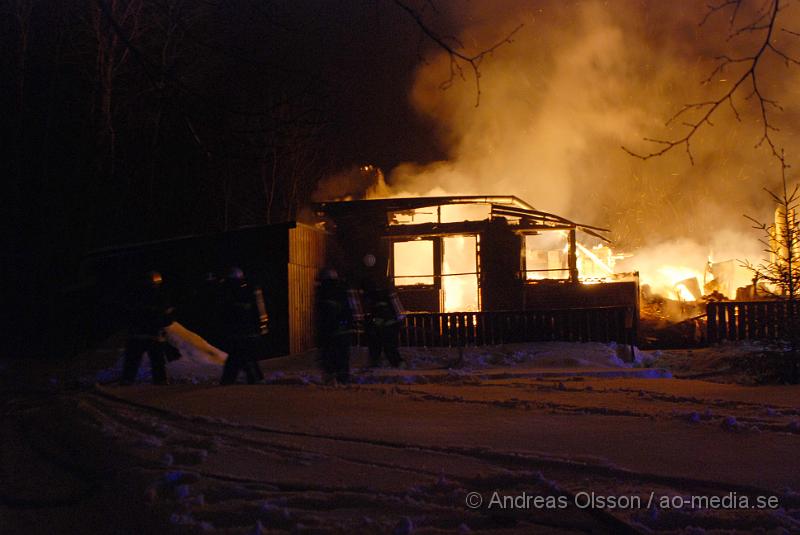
(556, 294)
(261, 252)
(307, 256)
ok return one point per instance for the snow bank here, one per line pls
(201, 362)
(537, 354)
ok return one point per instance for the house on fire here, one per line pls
(469, 270)
(486, 269)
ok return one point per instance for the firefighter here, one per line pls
(150, 313)
(334, 326)
(383, 318)
(242, 324)
(205, 307)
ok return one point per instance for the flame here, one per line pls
(683, 293)
(413, 263)
(414, 260)
(546, 254)
(459, 274)
(672, 281)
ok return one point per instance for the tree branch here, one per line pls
(457, 58)
(764, 21)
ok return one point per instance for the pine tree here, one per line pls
(782, 268)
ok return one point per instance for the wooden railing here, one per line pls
(749, 320)
(454, 329)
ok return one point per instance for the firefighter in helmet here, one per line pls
(334, 326)
(150, 312)
(384, 315)
(243, 323)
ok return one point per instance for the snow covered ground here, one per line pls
(544, 435)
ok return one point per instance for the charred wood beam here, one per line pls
(503, 210)
(435, 229)
(595, 234)
(525, 226)
(333, 208)
(562, 224)
(572, 257)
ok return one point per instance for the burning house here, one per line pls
(469, 270)
(484, 269)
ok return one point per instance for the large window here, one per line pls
(413, 263)
(460, 274)
(546, 255)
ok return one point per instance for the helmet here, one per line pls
(329, 274)
(235, 273)
(154, 278)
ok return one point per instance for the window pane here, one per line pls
(546, 255)
(460, 293)
(459, 254)
(413, 262)
(459, 277)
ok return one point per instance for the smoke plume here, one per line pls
(579, 81)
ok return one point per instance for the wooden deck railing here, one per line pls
(454, 329)
(749, 320)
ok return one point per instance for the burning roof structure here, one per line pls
(477, 253)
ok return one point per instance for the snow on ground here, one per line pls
(201, 362)
(539, 354)
(729, 362)
(404, 451)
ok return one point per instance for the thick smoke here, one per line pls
(582, 79)
(354, 183)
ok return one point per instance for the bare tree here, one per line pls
(459, 58)
(764, 23)
(112, 54)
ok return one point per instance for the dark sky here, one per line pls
(132, 120)
(365, 54)
(155, 118)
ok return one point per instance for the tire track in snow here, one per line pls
(507, 458)
(613, 523)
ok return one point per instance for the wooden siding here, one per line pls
(551, 294)
(307, 249)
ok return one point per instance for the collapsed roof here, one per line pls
(508, 207)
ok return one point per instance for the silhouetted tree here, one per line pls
(782, 242)
(781, 269)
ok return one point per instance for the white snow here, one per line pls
(201, 362)
(399, 450)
